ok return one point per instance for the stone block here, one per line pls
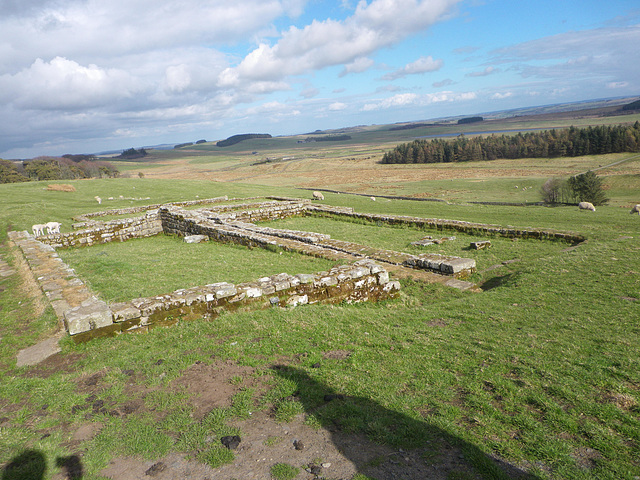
(124, 311)
(89, 315)
(279, 286)
(326, 281)
(223, 289)
(305, 278)
(253, 292)
(383, 277)
(296, 300)
(391, 287)
(196, 239)
(268, 289)
(481, 245)
(237, 298)
(457, 265)
(359, 272)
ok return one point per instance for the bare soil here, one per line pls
(328, 453)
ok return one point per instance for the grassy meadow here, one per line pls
(541, 369)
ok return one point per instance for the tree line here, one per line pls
(567, 142)
(67, 167)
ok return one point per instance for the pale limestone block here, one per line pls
(383, 277)
(326, 281)
(124, 311)
(90, 315)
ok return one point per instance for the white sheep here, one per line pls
(586, 206)
(318, 196)
(98, 199)
(635, 209)
(52, 227)
(373, 198)
(38, 229)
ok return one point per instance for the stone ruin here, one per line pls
(362, 277)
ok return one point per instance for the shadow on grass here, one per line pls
(499, 281)
(418, 450)
(32, 465)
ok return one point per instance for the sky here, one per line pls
(86, 76)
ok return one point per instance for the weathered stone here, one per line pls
(383, 277)
(457, 265)
(37, 353)
(253, 292)
(90, 315)
(305, 278)
(359, 272)
(296, 300)
(223, 290)
(281, 286)
(196, 239)
(481, 244)
(124, 311)
(326, 281)
(391, 287)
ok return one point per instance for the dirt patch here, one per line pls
(54, 364)
(336, 355)
(623, 401)
(586, 457)
(321, 453)
(213, 386)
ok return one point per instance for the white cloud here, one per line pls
(483, 73)
(399, 100)
(337, 106)
(177, 78)
(616, 85)
(412, 99)
(422, 65)
(501, 96)
(448, 97)
(63, 84)
(374, 25)
(78, 29)
(359, 65)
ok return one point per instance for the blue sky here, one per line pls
(83, 76)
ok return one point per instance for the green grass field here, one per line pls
(541, 369)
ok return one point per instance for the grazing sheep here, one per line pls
(53, 227)
(586, 206)
(38, 230)
(98, 199)
(373, 198)
(635, 209)
(318, 196)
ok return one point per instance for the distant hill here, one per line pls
(239, 138)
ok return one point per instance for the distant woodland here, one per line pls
(67, 167)
(239, 138)
(132, 154)
(569, 142)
